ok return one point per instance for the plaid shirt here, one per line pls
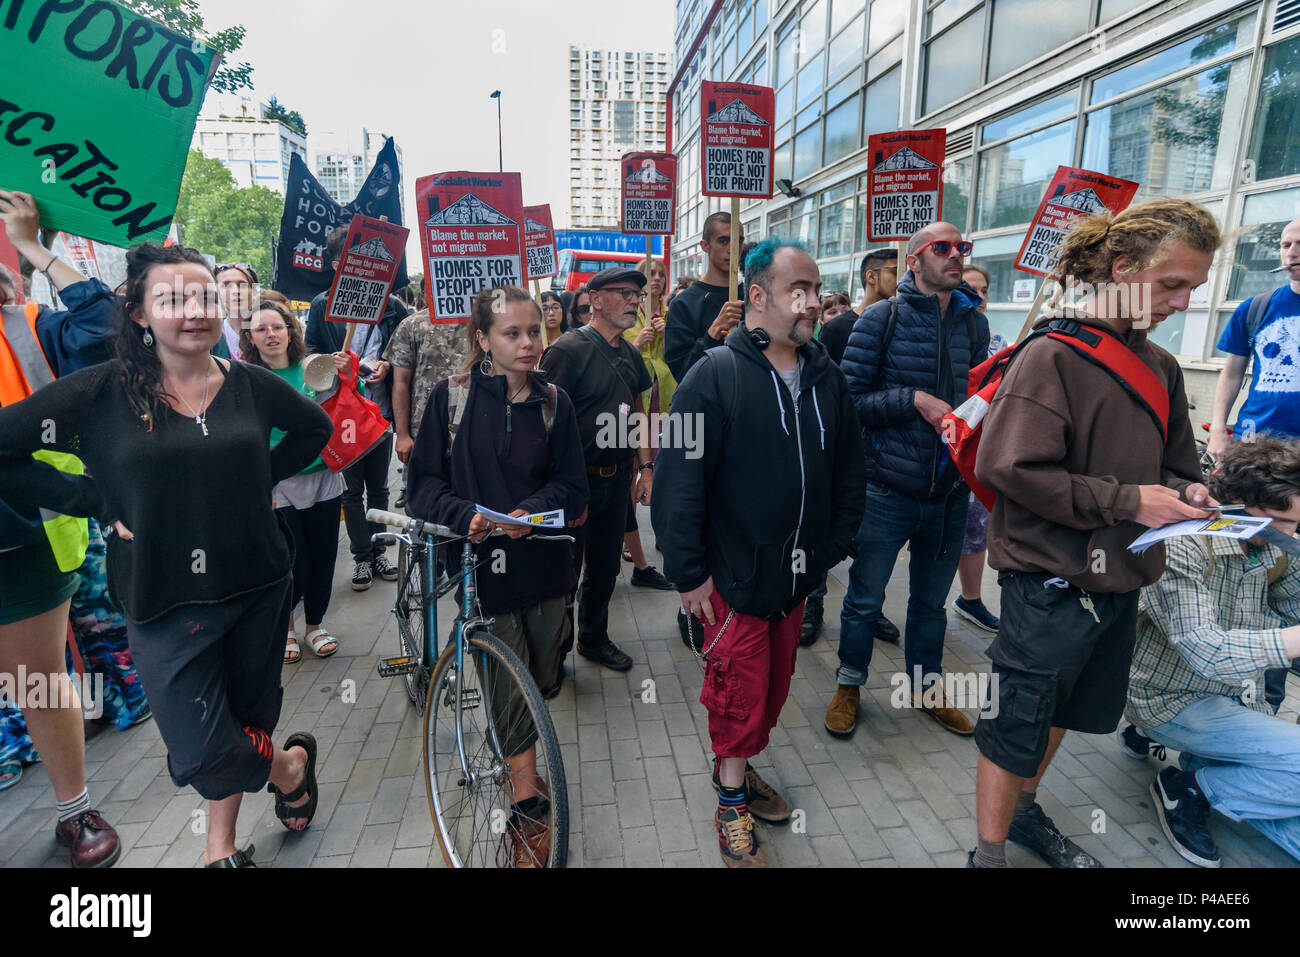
(1199, 636)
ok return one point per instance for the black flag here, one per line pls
(302, 269)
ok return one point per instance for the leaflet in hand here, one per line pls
(1238, 526)
(553, 519)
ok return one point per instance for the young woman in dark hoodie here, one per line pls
(514, 449)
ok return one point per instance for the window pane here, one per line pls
(1113, 8)
(803, 225)
(807, 151)
(758, 75)
(880, 108)
(1032, 116)
(813, 25)
(838, 192)
(1275, 146)
(809, 83)
(841, 133)
(1172, 139)
(836, 233)
(842, 90)
(1257, 249)
(781, 160)
(842, 11)
(1014, 175)
(1053, 22)
(1169, 334)
(784, 103)
(835, 276)
(889, 54)
(805, 117)
(956, 192)
(952, 62)
(846, 50)
(785, 51)
(948, 12)
(860, 224)
(887, 18)
(996, 255)
(1225, 37)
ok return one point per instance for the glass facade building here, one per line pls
(1198, 99)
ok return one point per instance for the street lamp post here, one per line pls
(501, 165)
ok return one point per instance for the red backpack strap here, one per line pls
(1108, 352)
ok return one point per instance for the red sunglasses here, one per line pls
(943, 246)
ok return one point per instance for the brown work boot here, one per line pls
(949, 718)
(527, 844)
(764, 803)
(93, 841)
(842, 715)
(736, 839)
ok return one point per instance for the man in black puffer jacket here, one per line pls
(907, 363)
(751, 520)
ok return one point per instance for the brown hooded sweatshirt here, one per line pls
(1065, 448)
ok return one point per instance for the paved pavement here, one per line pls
(900, 793)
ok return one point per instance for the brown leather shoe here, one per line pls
(949, 718)
(529, 844)
(842, 715)
(93, 841)
(763, 802)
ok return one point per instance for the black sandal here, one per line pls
(308, 786)
(242, 858)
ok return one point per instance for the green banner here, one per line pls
(97, 110)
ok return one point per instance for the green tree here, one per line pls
(183, 16)
(275, 110)
(218, 218)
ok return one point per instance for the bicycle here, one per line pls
(479, 702)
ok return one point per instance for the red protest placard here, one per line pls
(737, 135)
(471, 231)
(904, 182)
(539, 242)
(649, 193)
(367, 269)
(1072, 194)
(9, 259)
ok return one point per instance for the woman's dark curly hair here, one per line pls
(1262, 472)
(141, 368)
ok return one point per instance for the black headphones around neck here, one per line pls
(760, 338)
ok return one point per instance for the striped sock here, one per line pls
(77, 806)
(731, 799)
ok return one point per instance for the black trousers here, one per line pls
(212, 675)
(600, 544)
(315, 534)
(368, 476)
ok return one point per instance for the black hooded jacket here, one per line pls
(776, 497)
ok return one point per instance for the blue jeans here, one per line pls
(1247, 764)
(890, 521)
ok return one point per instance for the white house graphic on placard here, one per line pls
(373, 248)
(469, 210)
(737, 112)
(1084, 200)
(533, 226)
(648, 174)
(906, 158)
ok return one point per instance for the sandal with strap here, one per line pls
(318, 639)
(14, 769)
(308, 786)
(292, 652)
(242, 858)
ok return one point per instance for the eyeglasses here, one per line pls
(582, 310)
(629, 295)
(245, 268)
(943, 247)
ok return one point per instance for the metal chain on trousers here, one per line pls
(690, 637)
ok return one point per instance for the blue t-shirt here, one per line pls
(1273, 404)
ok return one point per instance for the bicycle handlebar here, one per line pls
(406, 523)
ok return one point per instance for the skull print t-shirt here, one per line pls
(1273, 404)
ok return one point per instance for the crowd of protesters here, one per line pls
(194, 378)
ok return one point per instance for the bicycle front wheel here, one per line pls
(493, 770)
(409, 612)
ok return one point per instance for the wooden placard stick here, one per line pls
(1033, 310)
(735, 249)
(537, 294)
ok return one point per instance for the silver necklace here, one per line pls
(200, 418)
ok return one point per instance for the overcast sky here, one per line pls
(422, 74)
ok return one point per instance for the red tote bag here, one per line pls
(358, 424)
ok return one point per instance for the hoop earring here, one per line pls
(148, 338)
(485, 366)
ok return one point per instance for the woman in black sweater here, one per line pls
(177, 442)
(516, 451)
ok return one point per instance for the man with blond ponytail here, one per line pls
(1080, 462)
